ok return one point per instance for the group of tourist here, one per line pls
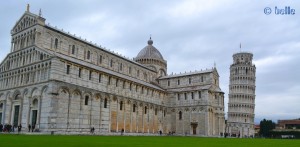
(10, 128)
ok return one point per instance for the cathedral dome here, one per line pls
(149, 52)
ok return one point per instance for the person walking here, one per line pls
(19, 128)
(29, 128)
(33, 127)
(1, 127)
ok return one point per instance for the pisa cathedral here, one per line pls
(58, 82)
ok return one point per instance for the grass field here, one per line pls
(131, 141)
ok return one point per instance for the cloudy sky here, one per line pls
(191, 35)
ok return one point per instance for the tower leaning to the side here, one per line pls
(241, 96)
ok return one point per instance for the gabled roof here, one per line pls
(190, 88)
(187, 74)
(97, 47)
(26, 14)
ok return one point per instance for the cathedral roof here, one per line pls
(186, 74)
(149, 52)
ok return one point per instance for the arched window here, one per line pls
(17, 97)
(121, 105)
(35, 103)
(86, 100)
(56, 43)
(73, 49)
(88, 56)
(105, 103)
(133, 108)
(180, 115)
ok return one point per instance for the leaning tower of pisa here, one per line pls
(241, 103)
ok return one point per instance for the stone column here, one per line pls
(117, 120)
(100, 113)
(4, 111)
(207, 123)
(109, 116)
(39, 112)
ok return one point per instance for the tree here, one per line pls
(265, 127)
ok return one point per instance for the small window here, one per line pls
(180, 115)
(130, 86)
(169, 83)
(178, 82)
(56, 43)
(100, 59)
(90, 75)
(117, 81)
(192, 95)
(185, 96)
(121, 67)
(178, 96)
(100, 77)
(145, 76)
(155, 111)
(145, 109)
(86, 100)
(105, 103)
(111, 63)
(164, 113)
(133, 108)
(190, 80)
(129, 70)
(109, 79)
(88, 56)
(68, 69)
(41, 56)
(79, 72)
(202, 79)
(121, 105)
(138, 73)
(199, 94)
(73, 49)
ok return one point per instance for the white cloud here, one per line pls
(271, 61)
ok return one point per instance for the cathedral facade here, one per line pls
(58, 82)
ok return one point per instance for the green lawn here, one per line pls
(7, 140)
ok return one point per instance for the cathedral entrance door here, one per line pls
(194, 127)
(33, 117)
(16, 115)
